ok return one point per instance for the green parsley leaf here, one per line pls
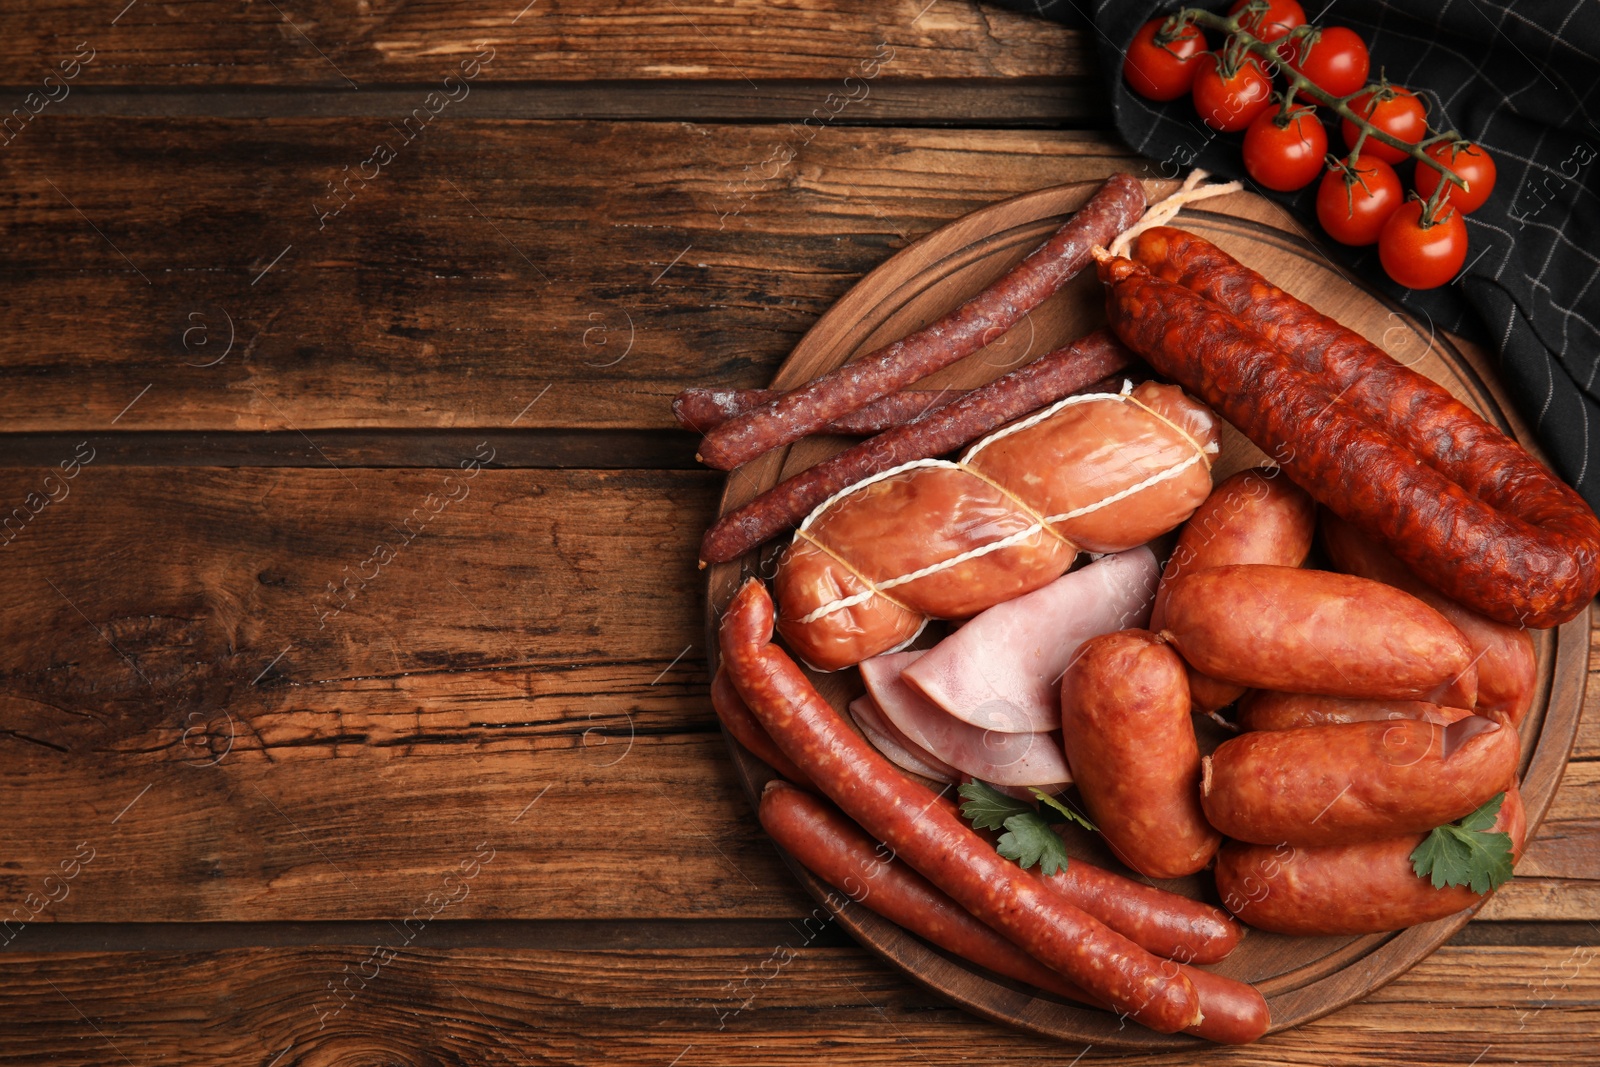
(1467, 853)
(1071, 815)
(987, 808)
(1029, 839)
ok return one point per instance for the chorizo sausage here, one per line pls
(742, 726)
(1305, 631)
(700, 409)
(837, 851)
(1264, 709)
(1096, 471)
(1507, 666)
(1345, 889)
(1047, 379)
(1358, 781)
(1133, 753)
(1255, 516)
(904, 815)
(950, 338)
(1457, 501)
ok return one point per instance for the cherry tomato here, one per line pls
(1285, 157)
(1401, 115)
(1354, 213)
(1419, 257)
(1337, 61)
(1163, 71)
(1230, 104)
(1281, 16)
(1468, 160)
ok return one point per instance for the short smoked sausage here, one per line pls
(1133, 753)
(1345, 889)
(1306, 631)
(1353, 782)
(1264, 709)
(1255, 516)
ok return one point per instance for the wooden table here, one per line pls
(354, 693)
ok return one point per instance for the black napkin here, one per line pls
(1519, 78)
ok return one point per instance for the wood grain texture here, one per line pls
(970, 102)
(721, 1006)
(341, 47)
(606, 265)
(179, 688)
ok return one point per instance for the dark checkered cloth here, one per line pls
(1520, 78)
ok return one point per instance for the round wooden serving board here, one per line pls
(1302, 978)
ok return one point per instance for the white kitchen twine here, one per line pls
(1040, 522)
(1163, 211)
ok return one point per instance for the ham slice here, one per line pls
(1000, 758)
(1002, 670)
(895, 746)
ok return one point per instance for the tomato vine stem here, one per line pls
(1242, 39)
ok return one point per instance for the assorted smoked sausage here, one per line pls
(1371, 703)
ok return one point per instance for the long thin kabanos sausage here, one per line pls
(906, 817)
(701, 409)
(837, 851)
(942, 342)
(1044, 381)
(1491, 528)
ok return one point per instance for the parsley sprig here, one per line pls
(1467, 852)
(1029, 837)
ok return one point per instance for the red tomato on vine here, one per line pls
(1280, 17)
(1163, 70)
(1470, 161)
(1336, 60)
(1285, 157)
(1420, 256)
(1230, 103)
(1397, 112)
(1354, 206)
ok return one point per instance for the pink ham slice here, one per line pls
(896, 747)
(1001, 758)
(1002, 670)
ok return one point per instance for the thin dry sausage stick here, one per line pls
(702, 409)
(1527, 549)
(837, 851)
(1049, 378)
(904, 815)
(942, 342)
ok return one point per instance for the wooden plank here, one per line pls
(214, 43)
(778, 1003)
(180, 691)
(584, 449)
(184, 279)
(973, 102)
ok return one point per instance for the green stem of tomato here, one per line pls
(1299, 83)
